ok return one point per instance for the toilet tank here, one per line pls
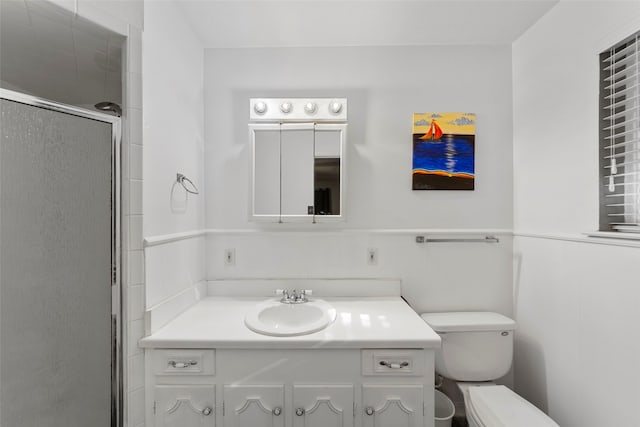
(476, 346)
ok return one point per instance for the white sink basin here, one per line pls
(274, 318)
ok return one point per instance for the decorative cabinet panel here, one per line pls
(254, 406)
(392, 405)
(297, 172)
(185, 406)
(323, 406)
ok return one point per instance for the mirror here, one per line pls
(297, 172)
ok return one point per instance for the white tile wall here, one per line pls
(136, 332)
(577, 312)
(134, 90)
(135, 232)
(134, 53)
(136, 267)
(134, 117)
(135, 153)
(135, 195)
(435, 276)
(136, 371)
(172, 268)
(135, 411)
(135, 302)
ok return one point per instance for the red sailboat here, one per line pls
(434, 132)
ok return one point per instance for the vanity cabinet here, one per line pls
(291, 388)
(297, 172)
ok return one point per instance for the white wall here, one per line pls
(384, 86)
(575, 299)
(173, 142)
(173, 121)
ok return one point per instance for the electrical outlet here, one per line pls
(372, 256)
(230, 256)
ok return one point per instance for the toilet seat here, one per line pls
(498, 406)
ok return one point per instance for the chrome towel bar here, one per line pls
(485, 239)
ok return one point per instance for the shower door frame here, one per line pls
(117, 321)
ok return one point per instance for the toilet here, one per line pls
(477, 348)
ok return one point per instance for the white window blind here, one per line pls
(620, 137)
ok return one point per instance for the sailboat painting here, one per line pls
(444, 151)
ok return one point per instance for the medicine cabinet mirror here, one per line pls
(297, 160)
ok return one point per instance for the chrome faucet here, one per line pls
(295, 296)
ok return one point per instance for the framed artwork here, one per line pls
(443, 151)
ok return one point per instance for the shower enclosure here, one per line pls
(60, 310)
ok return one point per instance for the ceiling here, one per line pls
(306, 23)
(48, 52)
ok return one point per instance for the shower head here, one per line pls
(109, 106)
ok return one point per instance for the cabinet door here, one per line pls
(322, 405)
(266, 171)
(185, 406)
(392, 405)
(254, 406)
(296, 170)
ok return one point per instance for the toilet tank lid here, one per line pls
(468, 321)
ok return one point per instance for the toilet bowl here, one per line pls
(477, 348)
(491, 405)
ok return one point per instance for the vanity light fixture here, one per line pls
(303, 110)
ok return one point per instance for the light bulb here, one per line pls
(310, 107)
(286, 107)
(335, 107)
(260, 107)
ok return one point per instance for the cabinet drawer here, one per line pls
(184, 362)
(401, 362)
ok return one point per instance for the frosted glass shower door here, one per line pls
(55, 268)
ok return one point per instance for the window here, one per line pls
(620, 137)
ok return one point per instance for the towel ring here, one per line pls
(181, 180)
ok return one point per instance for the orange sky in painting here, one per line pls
(450, 123)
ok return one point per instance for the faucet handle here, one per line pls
(304, 293)
(283, 292)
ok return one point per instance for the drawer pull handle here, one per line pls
(182, 365)
(369, 410)
(277, 411)
(206, 411)
(394, 365)
(299, 412)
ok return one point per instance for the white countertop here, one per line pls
(371, 322)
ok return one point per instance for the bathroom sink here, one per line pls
(274, 318)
